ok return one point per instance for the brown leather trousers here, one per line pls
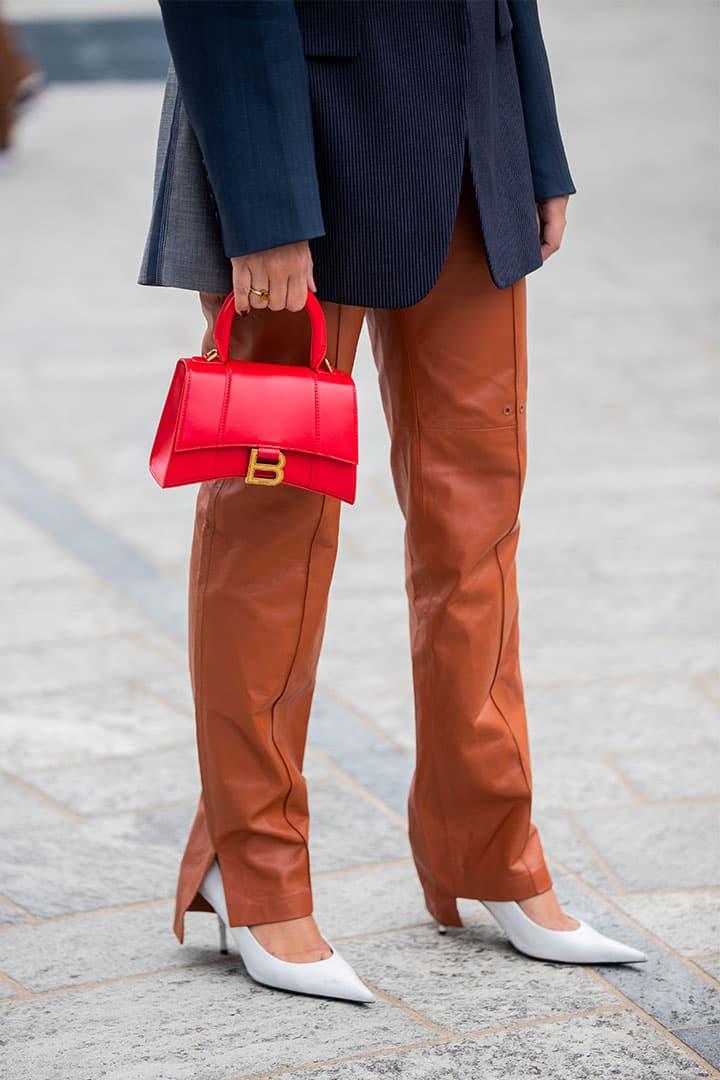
(453, 377)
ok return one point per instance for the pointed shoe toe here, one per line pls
(332, 977)
(583, 945)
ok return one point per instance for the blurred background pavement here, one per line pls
(618, 597)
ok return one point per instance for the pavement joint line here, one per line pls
(65, 764)
(700, 680)
(452, 1038)
(21, 992)
(348, 778)
(609, 760)
(375, 728)
(41, 920)
(540, 1021)
(41, 796)
(415, 1014)
(607, 900)
(425, 925)
(669, 891)
(322, 1062)
(604, 681)
(650, 1019)
(29, 917)
(56, 991)
(119, 565)
(162, 698)
(599, 858)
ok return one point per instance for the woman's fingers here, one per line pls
(284, 272)
(241, 284)
(551, 223)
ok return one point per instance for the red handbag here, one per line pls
(271, 423)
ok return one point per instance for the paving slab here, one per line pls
(632, 717)
(214, 1023)
(60, 666)
(704, 1040)
(360, 833)
(679, 772)
(20, 803)
(110, 785)
(657, 846)
(80, 723)
(471, 978)
(611, 1046)
(664, 987)
(686, 921)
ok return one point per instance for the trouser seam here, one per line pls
(527, 778)
(293, 662)
(201, 620)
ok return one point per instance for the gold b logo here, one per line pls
(255, 468)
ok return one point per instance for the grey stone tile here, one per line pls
(114, 784)
(634, 717)
(663, 986)
(569, 781)
(687, 921)
(562, 842)
(172, 687)
(679, 772)
(68, 952)
(705, 1041)
(657, 847)
(9, 915)
(60, 666)
(77, 725)
(471, 978)
(346, 829)
(63, 611)
(578, 660)
(29, 555)
(711, 964)
(377, 765)
(654, 608)
(18, 805)
(81, 867)
(214, 1023)
(7, 991)
(615, 1045)
(317, 767)
(371, 899)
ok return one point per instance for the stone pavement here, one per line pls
(617, 574)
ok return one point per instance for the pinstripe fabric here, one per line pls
(400, 91)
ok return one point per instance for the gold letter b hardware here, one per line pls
(255, 467)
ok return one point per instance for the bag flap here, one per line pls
(245, 403)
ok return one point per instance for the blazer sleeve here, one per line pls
(550, 170)
(243, 81)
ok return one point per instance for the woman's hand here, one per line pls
(285, 272)
(550, 214)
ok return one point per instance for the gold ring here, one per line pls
(263, 293)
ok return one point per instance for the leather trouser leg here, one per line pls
(260, 569)
(453, 378)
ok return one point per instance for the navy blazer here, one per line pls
(346, 123)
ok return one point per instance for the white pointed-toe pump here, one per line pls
(582, 945)
(332, 977)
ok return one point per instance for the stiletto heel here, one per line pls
(441, 929)
(332, 977)
(223, 935)
(583, 945)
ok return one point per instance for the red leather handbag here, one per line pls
(271, 423)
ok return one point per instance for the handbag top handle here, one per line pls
(318, 329)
